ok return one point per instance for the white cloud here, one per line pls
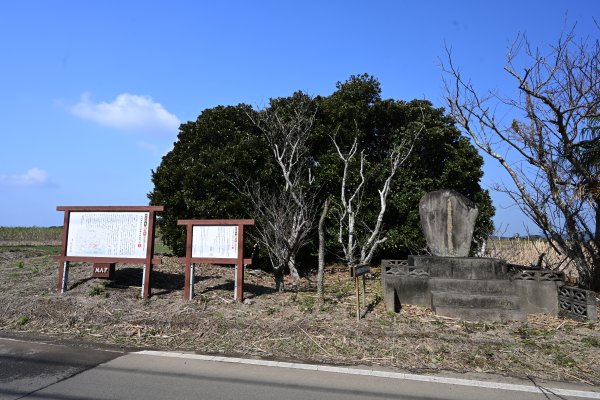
(33, 177)
(128, 112)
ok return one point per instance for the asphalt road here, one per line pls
(35, 370)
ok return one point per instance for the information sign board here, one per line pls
(108, 234)
(215, 241)
(359, 270)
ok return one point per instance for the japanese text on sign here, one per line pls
(215, 241)
(108, 234)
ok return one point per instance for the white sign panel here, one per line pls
(108, 234)
(214, 241)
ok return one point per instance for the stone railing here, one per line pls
(539, 275)
(577, 303)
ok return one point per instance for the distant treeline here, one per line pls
(519, 237)
(30, 233)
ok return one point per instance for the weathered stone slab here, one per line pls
(448, 219)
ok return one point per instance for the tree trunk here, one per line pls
(595, 272)
(293, 271)
(597, 233)
(321, 268)
(595, 280)
(279, 282)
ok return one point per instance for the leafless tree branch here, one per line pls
(542, 148)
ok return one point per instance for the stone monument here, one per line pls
(472, 288)
(448, 219)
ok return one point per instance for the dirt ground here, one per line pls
(288, 326)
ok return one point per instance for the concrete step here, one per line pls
(473, 286)
(459, 267)
(487, 314)
(475, 301)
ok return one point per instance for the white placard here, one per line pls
(108, 234)
(214, 241)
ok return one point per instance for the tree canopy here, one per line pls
(197, 178)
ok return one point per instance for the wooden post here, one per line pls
(364, 297)
(356, 271)
(188, 263)
(147, 284)
(239, 273)
(357, 287)
(63, 266)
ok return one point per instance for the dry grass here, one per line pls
(19, 236)
(288, 325)
(527, 252)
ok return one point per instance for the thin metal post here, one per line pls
(65, 277)
(144, 272)
(192, 277)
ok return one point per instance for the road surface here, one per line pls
(38, 370)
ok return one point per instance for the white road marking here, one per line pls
(381, 374)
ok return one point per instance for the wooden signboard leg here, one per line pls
(239, 282)
(239, 266)
(364, 297)
(356, 285)
(186, 283)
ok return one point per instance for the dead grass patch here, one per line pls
(290, 325)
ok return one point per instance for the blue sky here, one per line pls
(92, 92)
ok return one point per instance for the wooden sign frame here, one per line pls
(239, 261)
(147, 260)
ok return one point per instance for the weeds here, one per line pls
(591, 341)
(563, 360)
(98, 290)
(307, 303)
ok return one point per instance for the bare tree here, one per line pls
(358, 238)
(285, 217)
(321, 266)
(543, 148)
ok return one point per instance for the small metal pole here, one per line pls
(144, 272)
(235, 285)
(65, 277)
(192, 276)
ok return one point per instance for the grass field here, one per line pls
(515, 251)
(45, 239)
(527, 252)
(285, 326)
(31, 233)
(291, 325)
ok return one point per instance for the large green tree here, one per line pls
(195, 179)
(442, 158)
(224, 146)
